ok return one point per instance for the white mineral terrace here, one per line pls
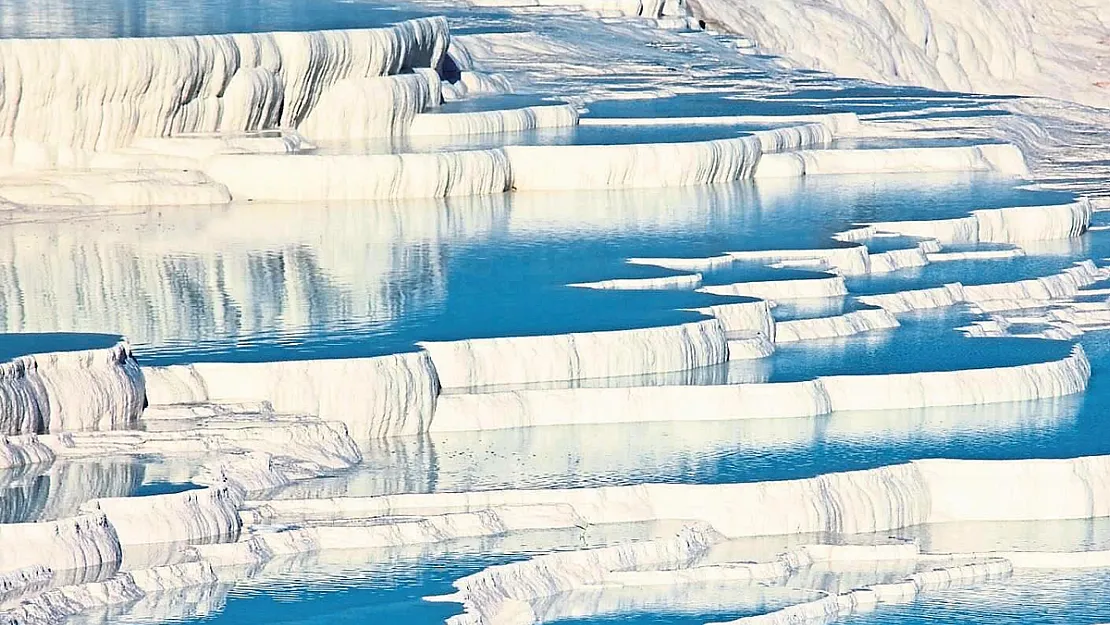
(186, 193)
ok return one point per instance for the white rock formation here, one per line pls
(375, 397)
(667, 283)
(963, 387)
(102, 93)
(263, 545)
(24, 450)
(383, 106)
(83, 542)
(744, 317)
(512, 409)
(303, 177)
(634, 165)
(497, 121)
(848, 324)
(998, 225)
(1000, 158)
(984, 46)
(832, 286)
(199, 514)
(100, 389)
(522, 360)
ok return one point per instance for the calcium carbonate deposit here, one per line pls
(512, 312)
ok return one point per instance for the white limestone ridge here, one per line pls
(375, 397)
(1031, 292)
(857, 502)
(260, 545)
(200, 514)
(983, 46)
(999, 225)
(520, 360)
(23, 450)
(823, 395)
(225, 83)
(509, 594)
(497, 121)
(997, 157)
(847, 324)
(100, 389)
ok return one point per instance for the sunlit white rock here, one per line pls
(87, 541)
(1000, 158)
(510, 409)
(384, 106)
(101, 93)
(100, 389)
(375, 397)
(18, 451)
(361, 176)
(498, 121)
(848, 324)
(520, 360)
(832, 286)
(667, 283)
(199, 514)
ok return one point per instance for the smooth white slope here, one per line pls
(1039, 47)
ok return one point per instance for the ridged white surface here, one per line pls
(306, 177)
(744, 317)
(525, 408)
(87, 541)
(832, 286)
(1000, 158)
(848, 324)
(99, 389)
(131, 187)
(24, 450)
(57, 604)
(750, 347)
(884, 498)
(501, 594)
(375, 397)
(498, 121)
(633, 165)
(999, 225)
(511, 409)
(848, 261)
(384, 106)
(668, 283)
(918, 299)
(199, 514)
(963, 387)
(103, 92)
(262, 546)
(983, 46)
(521, 360)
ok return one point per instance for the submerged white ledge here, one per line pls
(531, 408)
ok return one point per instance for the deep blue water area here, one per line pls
(13, 345)
(162, 18)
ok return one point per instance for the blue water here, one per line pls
(363, 279)
(1031, 598)
(160, 18)
(13, 345)
(48, 492)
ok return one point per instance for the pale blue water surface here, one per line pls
(274, 282)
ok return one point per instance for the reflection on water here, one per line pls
(254, 282)
(1031, 598)
(150, 18)
(714, 452)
